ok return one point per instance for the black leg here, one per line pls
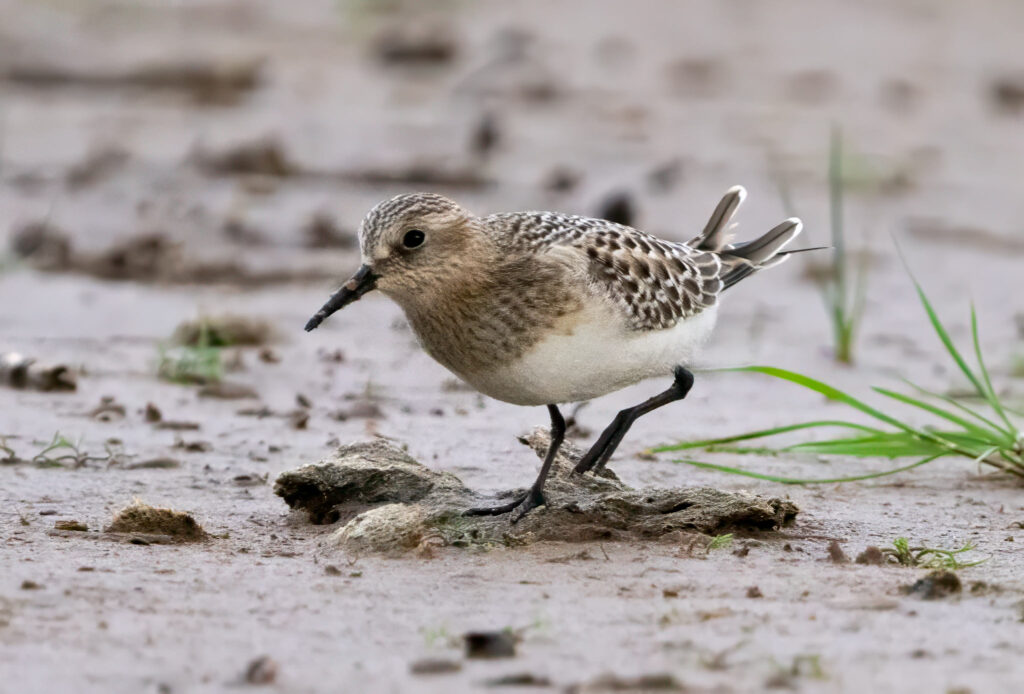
(597, 457)
(522, 505)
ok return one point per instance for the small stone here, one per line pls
(262, 670)
(269, 356)
(754, 592)
(937, 584)
(74, 525)
(31, 585)
(490, 644)
(299, 418)
(618, 208)
(152, 413)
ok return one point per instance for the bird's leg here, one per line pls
(597, 457)
(522, 505)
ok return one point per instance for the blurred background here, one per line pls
(181, 186)
(247, 139)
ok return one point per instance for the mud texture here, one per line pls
(391, 504)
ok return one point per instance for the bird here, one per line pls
(545, 308)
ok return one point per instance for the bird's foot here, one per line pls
(589, 462)
(518, 507)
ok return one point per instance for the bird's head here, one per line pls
(411, 246)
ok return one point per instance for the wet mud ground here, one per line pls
(182, 161)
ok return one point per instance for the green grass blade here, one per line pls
(938, 412)
(989, 392)
(897, 445)
(1010, 435)
(685, 445)
(792, 480)
(839, 396)
(826, 390)
(940, 330)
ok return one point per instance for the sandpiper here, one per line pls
(542, 308)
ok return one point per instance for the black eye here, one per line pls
(413, 238)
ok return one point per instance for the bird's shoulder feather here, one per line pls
(655, 283)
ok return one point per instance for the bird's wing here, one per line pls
(656, 283)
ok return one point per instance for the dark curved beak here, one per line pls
(363, 281)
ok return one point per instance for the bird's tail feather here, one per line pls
(743, 259)
(716, 232)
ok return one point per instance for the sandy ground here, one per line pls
(717, 92)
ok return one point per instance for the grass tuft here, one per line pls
(845, 303)
(198, 363)
(720, 541)
(929, 557)
(984, 433)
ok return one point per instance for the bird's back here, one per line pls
(655, 283)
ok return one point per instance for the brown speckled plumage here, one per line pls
(482, 292)
(656, 283)
(542, 308)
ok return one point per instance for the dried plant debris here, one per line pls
(661, 682)
(871, 556)
(206, 81)
(19, 371)
(836, 554)
(225, 330)
(109, 410)
(148, 520)
(391, 504)
(434, 666)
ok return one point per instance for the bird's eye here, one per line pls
(413, 238)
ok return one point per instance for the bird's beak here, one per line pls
(363, 281)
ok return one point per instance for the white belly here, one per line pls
(597, 356)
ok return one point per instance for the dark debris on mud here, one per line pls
(141, 518)
(390, 503)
